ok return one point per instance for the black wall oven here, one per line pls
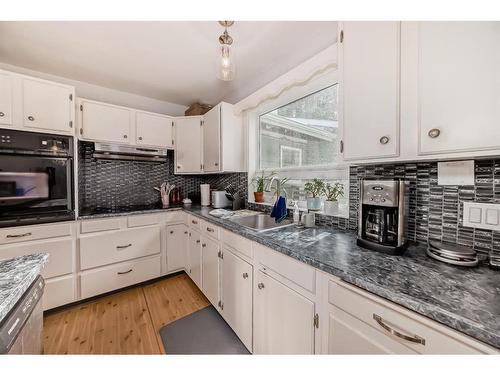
(36, 178)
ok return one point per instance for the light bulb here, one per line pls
(225, 64)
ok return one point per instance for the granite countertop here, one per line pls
(16, 276)
(467, 300)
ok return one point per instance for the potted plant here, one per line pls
(259, 182)
(314, 188)
(332, 194)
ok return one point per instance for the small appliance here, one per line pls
(219, 199)
(382, 216)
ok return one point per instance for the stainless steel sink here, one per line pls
(260, 222)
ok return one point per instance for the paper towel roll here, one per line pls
(205, 194)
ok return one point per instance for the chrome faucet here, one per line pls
(270, 185)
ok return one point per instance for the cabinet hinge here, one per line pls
(201, 166)
(172, 142)
(71, 124)
(81, 131)
(341, 36)
(220, 254)
(81, 107)
(71, 97)
(316, 320)
(219, 303)
(341, 147)
(202, 122)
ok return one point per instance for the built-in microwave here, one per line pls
(36, 178)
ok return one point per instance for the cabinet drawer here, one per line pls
(298, 273)
(35, 232)
(100, 225)
(194, 222)
(58, 291)
(210, 230)
(368, 308)
(106, 279)
(238, 243)
(100, 249)
(176, 217)
(143, 220)
(60, 254)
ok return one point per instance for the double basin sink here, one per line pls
(260, 222)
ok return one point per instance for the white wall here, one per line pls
(104, 94)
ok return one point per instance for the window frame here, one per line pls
(281, 103)
(293, 149)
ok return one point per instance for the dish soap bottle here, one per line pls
(296, 213)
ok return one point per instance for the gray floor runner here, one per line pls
(202, 332)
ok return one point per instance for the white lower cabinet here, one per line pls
(194, 257)
(283, 319)
(177, 241)
(236, 295)
(58, 291)
(210, 252)
(120, 275)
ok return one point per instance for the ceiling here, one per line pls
(172, 61)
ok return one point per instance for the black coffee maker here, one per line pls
(382, 216)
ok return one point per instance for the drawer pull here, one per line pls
(203, 245)
(185, 232)
(197, 241)
(2, 114)
(172, 232)
(123, 246)
(245, 275)
(210, 230)
(194, 221)
(384, 140)
(18, 235)
(392, 331)
(434, 133)
(31, 118)
(260, 285)
(123, 273)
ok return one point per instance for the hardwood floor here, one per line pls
(127, 322)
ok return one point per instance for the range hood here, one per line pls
(124, 152)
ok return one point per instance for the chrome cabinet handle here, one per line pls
(178, 167)
(245, 275)
(125, 136)
(197, 241)
(18, 235)
(123, 273)
(210, 230)
(392, 331)
(172, 232)
(185, 232)
(384, 140)
(31, 118)
(194, 221)
(2, 114)
(140, 138)
(216, 164)
(434, 133)
(260, 285)
(203, 245)
(123, 246)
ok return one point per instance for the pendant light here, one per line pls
(225, 64)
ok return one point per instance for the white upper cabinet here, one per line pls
(188, 144)
(6, 88)
(212, 140)
(47, 106)
(154, 130)
(104, 122)
(369, 61)
(458, 86)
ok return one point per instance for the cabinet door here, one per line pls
(212, 140)
(236, 296)
(188, 145)
(348, 335)
(176, 247)
(5, 99)
(47, 106)
(153, 130)
(459, 86)
(194, 258)
(283, 319)
(104, 122)
(369, 59)
(210, 269)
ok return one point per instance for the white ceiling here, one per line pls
(170, 61)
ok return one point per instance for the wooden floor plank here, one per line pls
(127, 322)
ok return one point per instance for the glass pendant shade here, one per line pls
(225, 63)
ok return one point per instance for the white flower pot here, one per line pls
(331, 207)
(314, 203)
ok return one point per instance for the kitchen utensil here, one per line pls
(165, 189)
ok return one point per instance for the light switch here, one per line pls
(475, 215)
(481, 215)
(492, 217)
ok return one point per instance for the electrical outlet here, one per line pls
(482, 215)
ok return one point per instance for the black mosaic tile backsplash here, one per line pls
(116, 185)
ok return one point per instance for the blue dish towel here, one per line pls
(279, 211)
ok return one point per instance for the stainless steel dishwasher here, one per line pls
(21, 332)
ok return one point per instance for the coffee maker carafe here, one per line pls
(382, 217)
